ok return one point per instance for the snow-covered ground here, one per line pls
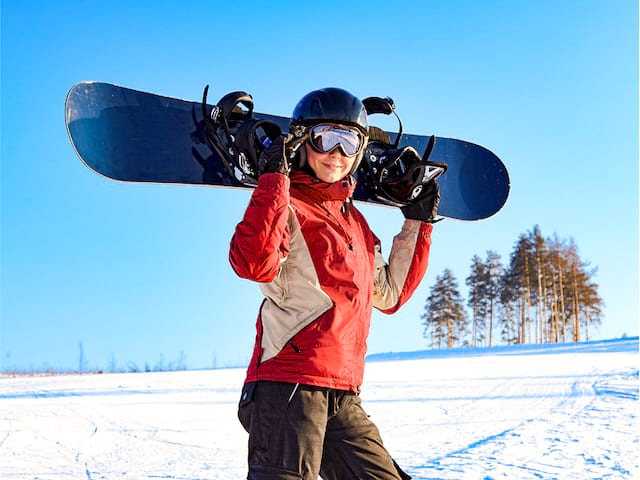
(565, 412)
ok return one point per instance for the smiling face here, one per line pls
(329, 167)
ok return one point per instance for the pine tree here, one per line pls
(475, 282)
(485, 283)
(517, 286)
(559, 262)
(547, 293)
(445, 317)
(584, 302)
(546, 276)
(493, 277)
(539, 271)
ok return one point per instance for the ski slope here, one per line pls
(532, 412)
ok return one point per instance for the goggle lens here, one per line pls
(325, 138)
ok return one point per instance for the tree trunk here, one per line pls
(528, 320)
(562, 311)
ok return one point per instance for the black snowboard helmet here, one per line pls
(329, 105)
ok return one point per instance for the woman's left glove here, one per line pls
(425, 208)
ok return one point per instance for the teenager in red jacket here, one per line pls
(321, 271)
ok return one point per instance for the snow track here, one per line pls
(562, 416)
(527, 416)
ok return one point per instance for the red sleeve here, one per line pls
(261, 239)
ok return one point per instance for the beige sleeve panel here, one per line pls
(390, 278)
(294, 298)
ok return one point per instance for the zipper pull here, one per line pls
(346, 207)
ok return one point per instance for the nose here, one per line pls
(337, 151)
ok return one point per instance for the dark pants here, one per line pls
(300, 432)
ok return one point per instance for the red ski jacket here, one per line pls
(321, 271)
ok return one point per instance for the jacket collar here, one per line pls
(310, 186)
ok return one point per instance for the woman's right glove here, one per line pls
(425, 208)
(274, 159)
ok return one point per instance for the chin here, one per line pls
(331, 179)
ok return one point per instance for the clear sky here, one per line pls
(139, 273)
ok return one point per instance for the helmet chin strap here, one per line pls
(296, 149)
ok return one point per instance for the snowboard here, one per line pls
(134, 136)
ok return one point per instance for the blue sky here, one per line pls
(139, 273)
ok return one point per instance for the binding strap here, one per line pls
(237, 137)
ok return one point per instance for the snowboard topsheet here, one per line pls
(135, 136)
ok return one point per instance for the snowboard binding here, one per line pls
(236, 136)
(396, 175)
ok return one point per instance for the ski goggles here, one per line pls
(325, 138)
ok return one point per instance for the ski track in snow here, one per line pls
(569, 415)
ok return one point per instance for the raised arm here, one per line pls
(396, 280)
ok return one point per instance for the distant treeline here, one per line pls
(162, 365)
(545, 294)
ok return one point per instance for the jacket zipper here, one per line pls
(346, 236)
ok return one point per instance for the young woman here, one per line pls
(321, 271)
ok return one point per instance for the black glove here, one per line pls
(425, 207)
(273, 159)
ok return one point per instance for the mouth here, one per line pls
(333, 166)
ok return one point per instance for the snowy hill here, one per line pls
(615, 345)
(564, 411)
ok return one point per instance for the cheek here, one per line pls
(312, 157)
(349, 162)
